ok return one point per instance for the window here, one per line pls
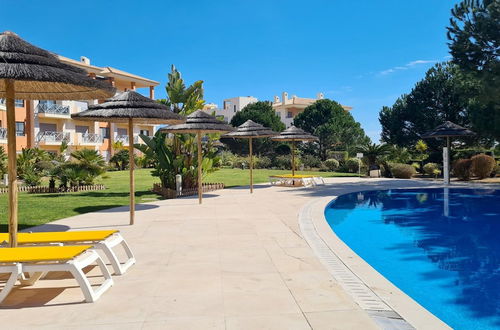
(121, 131)
(19, 103)
(144, 132)
(20, 128)
(289, 114)
(234, 107)
(82, 129)
(104, 132)
(278, 114)
(47, 102)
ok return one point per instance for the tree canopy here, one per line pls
(260, 112)
(446, 93)
(333, 125)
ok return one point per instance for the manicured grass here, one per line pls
(37, 209)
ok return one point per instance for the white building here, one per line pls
(230, 107)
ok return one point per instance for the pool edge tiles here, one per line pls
(386, 304)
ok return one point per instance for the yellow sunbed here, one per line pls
(105, 240)
(37, 260)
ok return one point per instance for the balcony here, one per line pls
(122, 138)
(18, 104)
(3, 135)
(52, 111)
(90, 139)
(52, 138)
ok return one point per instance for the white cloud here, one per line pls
(406, 66)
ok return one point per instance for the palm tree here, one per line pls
(374, 152)
(3, 161)
(91, 162)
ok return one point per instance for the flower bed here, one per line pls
(171, 193)
(48, 190)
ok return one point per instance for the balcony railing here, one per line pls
(91, 138)
(122, 138)
(3, 133)
(52, 137)
(18, 103)
(53, 109)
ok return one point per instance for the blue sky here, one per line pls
(361, 53)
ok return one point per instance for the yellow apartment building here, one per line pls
(46, 124)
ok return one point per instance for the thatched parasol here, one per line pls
(199, 123)
(132, 108)
(250, 130)
(31, 73)
(294, 134)
(447, 130)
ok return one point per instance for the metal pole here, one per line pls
(446, 160)
(200, 192)
(12, 159)
(131, 169)
(251, 165)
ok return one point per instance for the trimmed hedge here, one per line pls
(482, 165)
(462, 169)
(402, 171)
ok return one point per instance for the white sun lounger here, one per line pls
(105, 240)
(37, 260)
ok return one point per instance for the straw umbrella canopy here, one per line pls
(448, 130)
(293, 134)
(250, 130)
(31, 73)
(132, 108)
(199, 123)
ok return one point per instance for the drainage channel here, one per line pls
(383, 315)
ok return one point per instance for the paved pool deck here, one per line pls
(238, 261)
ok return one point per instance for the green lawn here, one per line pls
(36, 209)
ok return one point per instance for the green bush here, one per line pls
(416, 166)
(331, 164)
(482, 165)
(240, 162)
(402, 171)
(311, 161)
(227, 158)
(340, 156)
(284, 162)
(430, 169)
(462, 169)
(352, 165)
(263, 162)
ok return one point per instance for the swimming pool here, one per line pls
(441, 246)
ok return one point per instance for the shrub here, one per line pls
(227, 158)
(462, 169)
(263, 162)
(430, 169)
(402, 171)
(311, 161)
(331, 164)
(340, 156)
(284, 162)
(352, 165)
(240, 162)
(482, 165)
(416, 166)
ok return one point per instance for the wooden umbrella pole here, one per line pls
(12, 162)
(131, 169)
(293, 158)
(200, 190)
(251, 165)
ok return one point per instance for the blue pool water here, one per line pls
(440, 246)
